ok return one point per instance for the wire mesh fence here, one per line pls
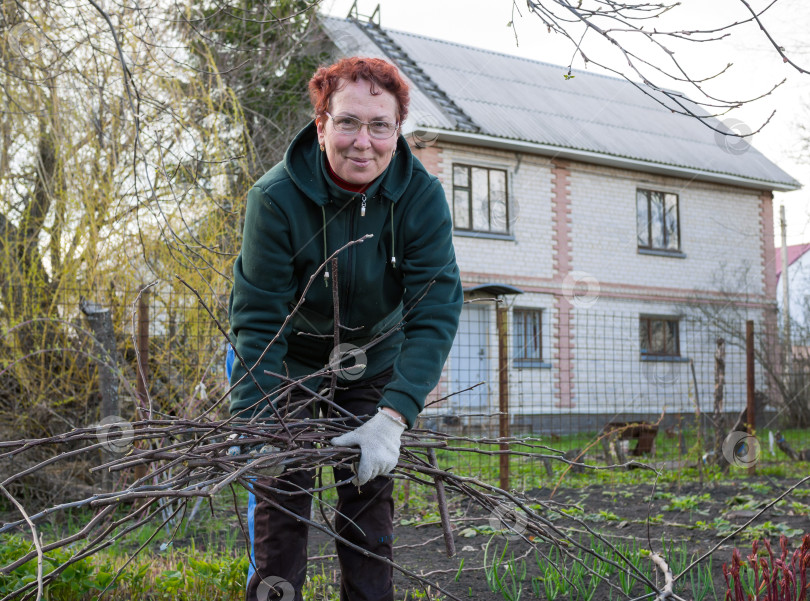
(599, 386)
(168, 355)
(664, 387)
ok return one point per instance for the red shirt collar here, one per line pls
(343, 183)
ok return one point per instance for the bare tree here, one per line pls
(642, 43)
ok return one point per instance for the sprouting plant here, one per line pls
(700, 577)
(769, 529)
(690, 503)
(584, 581)
(799, 508)
(677, 557)
(766, 577)
(504, 577)
(638, 559)
(551, 581)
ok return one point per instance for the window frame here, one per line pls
(519, 356)
(468, 189)
(649, 247)
(665, 354)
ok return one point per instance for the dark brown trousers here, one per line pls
(364, 517)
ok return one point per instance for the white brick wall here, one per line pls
(719, 226)
(720, 236)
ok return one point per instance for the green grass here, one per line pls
(530, 472)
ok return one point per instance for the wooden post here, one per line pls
(100, 322)
(441, 501)
(719, 389)
(503, 394)
(143, 345)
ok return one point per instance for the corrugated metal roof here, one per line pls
(512, 98)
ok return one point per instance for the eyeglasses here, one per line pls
(379, 130)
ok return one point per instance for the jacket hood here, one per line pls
(305, 163)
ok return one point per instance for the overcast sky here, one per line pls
(756, 66)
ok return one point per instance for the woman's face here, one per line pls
(358, 158)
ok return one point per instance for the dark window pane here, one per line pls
(481, 194)
(497, 201)
(460, 176)
(480, 199)
(644, 335)
(671, 221)
(527, 335)
(657, 219)
(642, 219)
(672, 337)
(658, 336)
(500, 222)
(461, 209)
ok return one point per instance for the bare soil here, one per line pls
(628, 515)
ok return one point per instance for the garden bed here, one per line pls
(679, 519)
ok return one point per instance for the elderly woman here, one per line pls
(346, 175)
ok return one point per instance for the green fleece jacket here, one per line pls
(399, 291)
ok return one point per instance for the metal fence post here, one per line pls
(503, 394)
(749, 381)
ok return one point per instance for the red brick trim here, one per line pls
(562, 260)
(770, 322)
(609, 290)
(767, 245)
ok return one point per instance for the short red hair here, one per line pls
(381, 75)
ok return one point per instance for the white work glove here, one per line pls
(378, 440)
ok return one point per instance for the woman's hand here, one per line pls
(379, 440)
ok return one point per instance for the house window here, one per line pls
(657, 220)
(528, 336)
(479, 199)
(659, 336)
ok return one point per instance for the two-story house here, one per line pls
(598, 217)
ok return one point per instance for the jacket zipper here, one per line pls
(347, 273)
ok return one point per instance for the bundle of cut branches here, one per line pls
(186, 460)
